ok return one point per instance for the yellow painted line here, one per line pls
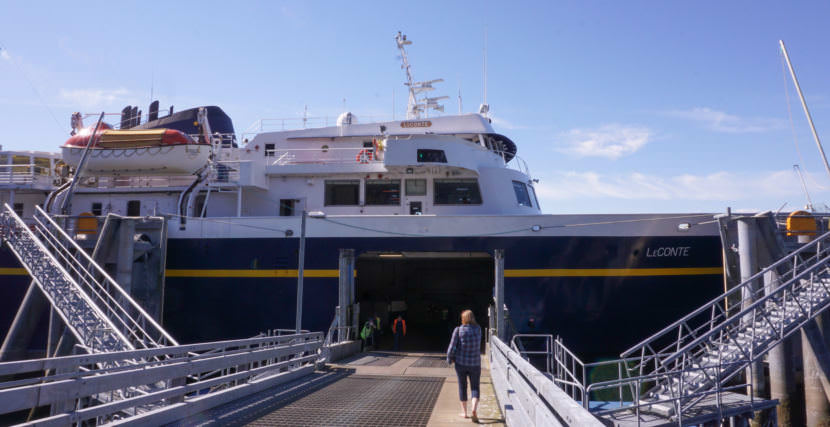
(13, 272)
(249, 273)
(613, 272)
(537, 272)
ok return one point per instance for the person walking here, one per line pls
(375, 330)
(465, 352)
(366, 334)
(399, 330)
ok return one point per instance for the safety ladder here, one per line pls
(698, 354)
(96, 310)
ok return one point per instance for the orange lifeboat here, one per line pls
(136, 152)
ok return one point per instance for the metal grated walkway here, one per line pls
(358, 400)
(431, 362)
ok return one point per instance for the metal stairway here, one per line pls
(100, 315)
(697, 355)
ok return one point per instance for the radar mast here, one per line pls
(423, 104)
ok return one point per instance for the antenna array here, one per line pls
(418, 102)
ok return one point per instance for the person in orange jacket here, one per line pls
(399, 330)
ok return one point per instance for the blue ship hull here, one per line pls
(600, 294)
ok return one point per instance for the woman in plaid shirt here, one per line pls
(465, 351)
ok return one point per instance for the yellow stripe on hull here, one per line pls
(13, 272)
(541, 272)
(250, 273)
(614, 272)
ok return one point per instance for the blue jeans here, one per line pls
(398, 336)
(464, 371)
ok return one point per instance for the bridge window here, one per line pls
(457, 192)
(270, 150)
(97, 208)
(522, 195)
(533, 193)
(134, 208)
(344, 192)
(416, 187)
(383, 192)
(431, 156)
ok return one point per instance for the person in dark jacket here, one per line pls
(465, 352)
(399, 330)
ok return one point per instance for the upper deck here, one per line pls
(29, 170)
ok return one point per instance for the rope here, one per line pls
(219, 221)
(790, 110)
(495, 233)
(26, 77)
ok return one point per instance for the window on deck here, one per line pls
(343, 192)
(383, 192)
(522, 195)
(457, 192)
(416, 187)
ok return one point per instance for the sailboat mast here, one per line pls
(804, 104)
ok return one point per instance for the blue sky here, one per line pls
(615, 106)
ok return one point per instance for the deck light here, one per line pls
(391, 255)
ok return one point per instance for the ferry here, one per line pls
(423, 203)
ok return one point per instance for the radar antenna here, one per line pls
(416, 106)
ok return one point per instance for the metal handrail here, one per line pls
(527, 395)
(162, 337)
(735, 336)
(719, 299)
(335, 155)
(92, 387)
(13, 231)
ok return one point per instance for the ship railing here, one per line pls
(225, 171)
(296, 123)
(218, 140)
(323, 155)
(237, 368)
(22, 174)
(136, 181)
(516, 163)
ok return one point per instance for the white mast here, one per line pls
(484, 109)
(804, 104)
(417, 106)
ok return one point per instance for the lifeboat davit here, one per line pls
(136, 152)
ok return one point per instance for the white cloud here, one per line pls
(720, 121)
(95, 97)
(4, 54)
(610, 141)
(718, 186)
(505, 124)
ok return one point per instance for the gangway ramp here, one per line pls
(372, 388)
(99, 314)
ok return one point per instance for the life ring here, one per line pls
(365, 156)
